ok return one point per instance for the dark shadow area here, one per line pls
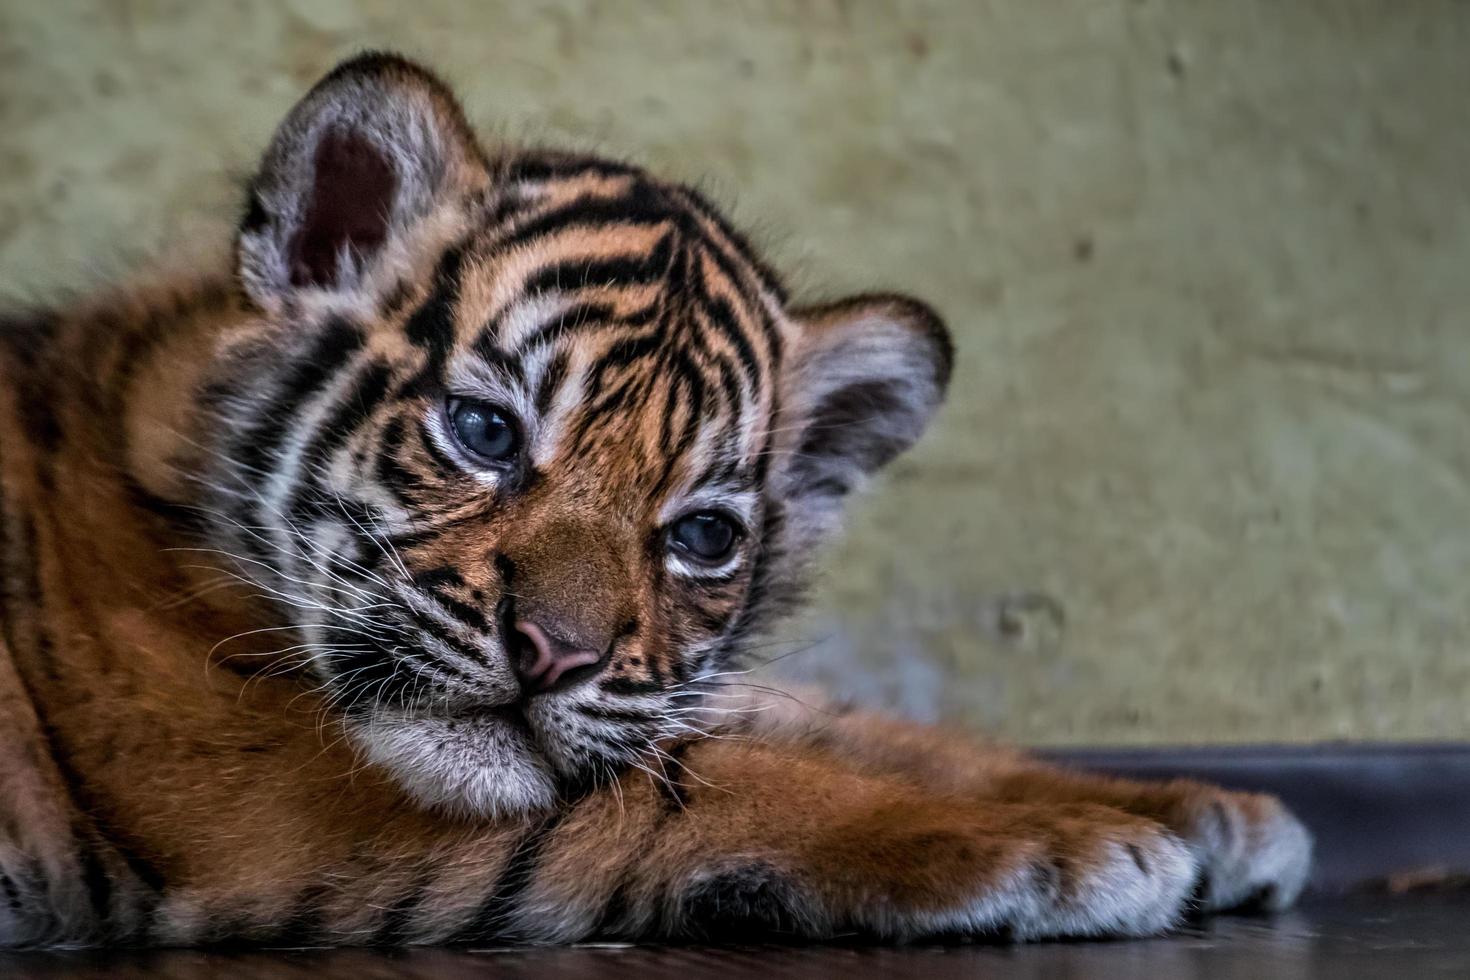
(1345, 938)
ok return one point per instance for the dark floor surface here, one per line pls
(1402, 938)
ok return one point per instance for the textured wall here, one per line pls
(1205, 474)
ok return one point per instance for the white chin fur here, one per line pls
(480, 766)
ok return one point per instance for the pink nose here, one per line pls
(542, 659)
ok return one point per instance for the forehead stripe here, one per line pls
(731, 271)
(633, 269)
(551, 381)
(431, 326)
(542, 168)
(637, 209)
(737, 242)
(721, 320)
(566, 321)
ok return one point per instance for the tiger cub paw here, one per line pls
(1079, 872)
(1252, 851)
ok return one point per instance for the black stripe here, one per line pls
(12, 893)
(599, 397)
(767, 326)
(96, 827)
(489, 920)
(722, 320)
(397, 927)
(556, 326)
(506, 362)
(640, 207)
(621, 270)
(29, 562)
(17, 560)
(764, 274)
(731, 390)
(179, 515)
(626, 351)
(446, 467)
(629, 686)
(434, 581)
(551, 382)
(544, 168)
(676, 387)
(30, 340)
(671, 788)
(395, 300)
(462, 611)
(38, 418)
(367, 392)
(715, 622)
(97, 880)
(24, 334)
(614, 917)
(607, 412)
(336, 344)
(685, 378)
(508, 205)
(655, 672)
(433, 578)
(392, 474)
(693, 381)
(306, 925)
(441, 633)
(431, 326)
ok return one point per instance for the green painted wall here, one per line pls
(1206, 471)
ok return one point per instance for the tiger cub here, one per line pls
(386, 587)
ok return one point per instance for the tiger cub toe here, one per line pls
(1253, 852)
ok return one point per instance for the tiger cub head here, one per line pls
(528, 444)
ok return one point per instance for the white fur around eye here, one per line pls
(740, 508)
(472, 378)
(441, 433)
(690, 569)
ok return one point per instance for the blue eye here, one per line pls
(484, 430)
(706, 535)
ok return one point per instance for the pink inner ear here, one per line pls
(351, 199)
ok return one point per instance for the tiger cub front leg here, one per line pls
(1251, 850)
(750, 838)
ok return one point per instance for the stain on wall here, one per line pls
(1205, 474)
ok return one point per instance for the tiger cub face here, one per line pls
(527, 444)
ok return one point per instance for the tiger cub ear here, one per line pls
(368, 153)
(865, 376)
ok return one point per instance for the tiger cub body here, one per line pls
(387, 588)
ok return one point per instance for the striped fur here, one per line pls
(264, 661)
